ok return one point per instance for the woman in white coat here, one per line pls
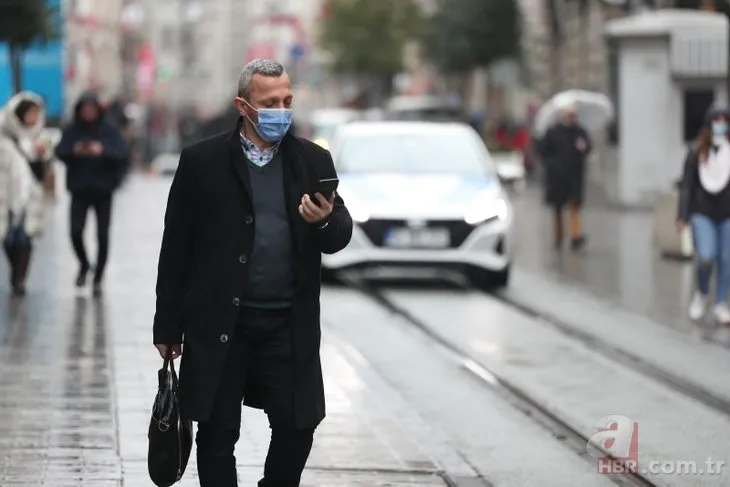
(24, 161)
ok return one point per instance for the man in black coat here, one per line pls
(564, 150)
(239, 280)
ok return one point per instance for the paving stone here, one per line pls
(79, 377)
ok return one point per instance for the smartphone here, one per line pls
(326, 187)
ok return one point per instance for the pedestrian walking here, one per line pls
(564, 150)
(239, 280)
(95, 155)
(704, 203)
(24, 159)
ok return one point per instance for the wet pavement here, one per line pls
(79, 377)
(620, 264)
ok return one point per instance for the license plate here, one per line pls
(420, 237)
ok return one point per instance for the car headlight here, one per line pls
(497, 208)
(358, 214)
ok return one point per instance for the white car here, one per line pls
(425, 108)
(422, 195)
(323, 124)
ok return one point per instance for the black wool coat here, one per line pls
(209, 232)
(564, 164)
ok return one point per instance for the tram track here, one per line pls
(559, 427)
(628, 359)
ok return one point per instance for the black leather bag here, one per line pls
(170, 437)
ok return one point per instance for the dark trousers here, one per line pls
(259, 362)
(18, 248)
(102, 204)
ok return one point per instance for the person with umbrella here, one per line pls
(564, 150)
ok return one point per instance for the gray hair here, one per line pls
(264, 67)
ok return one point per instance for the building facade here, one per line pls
(93, 48)
(564, 45)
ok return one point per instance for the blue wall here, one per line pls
(43, 73)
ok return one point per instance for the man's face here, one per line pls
(266, 92)
(30, 119)
(89, 112)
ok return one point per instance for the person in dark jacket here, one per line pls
(239, 281)
(704, 203)
(95, 155)
(564, 150)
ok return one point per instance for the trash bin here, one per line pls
(671, 244)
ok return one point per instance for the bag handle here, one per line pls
(171, 363)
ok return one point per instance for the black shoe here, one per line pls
(98, 291)
(19, 291)
(81, 278)
(578, 243)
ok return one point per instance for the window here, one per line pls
(696, 104)
(431, 152)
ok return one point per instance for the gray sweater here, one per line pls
(272, 278)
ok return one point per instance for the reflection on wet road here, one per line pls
(57, 423)
(620, 263)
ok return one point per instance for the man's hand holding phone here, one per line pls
(318, 208)
(88, 148)
(81, 148)
(316, 212)
(96, 148)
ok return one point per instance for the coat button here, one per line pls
(236, 302)
(224, 338)
(242, 259)
(248, 219)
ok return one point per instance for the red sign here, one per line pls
(146, 69)
(261, 50)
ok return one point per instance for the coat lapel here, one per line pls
(238, 159)
(296, 183)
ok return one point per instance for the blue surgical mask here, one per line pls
(719, 128)
(273, 123)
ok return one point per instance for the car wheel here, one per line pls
(489, 280)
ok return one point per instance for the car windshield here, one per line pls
(450, 152)
(426, 114)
